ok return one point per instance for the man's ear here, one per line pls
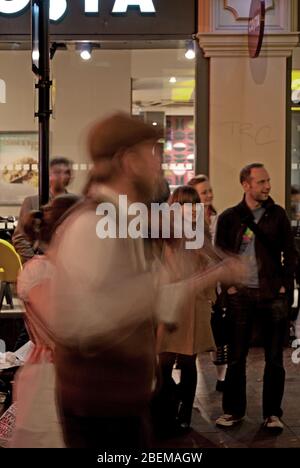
(245, 186)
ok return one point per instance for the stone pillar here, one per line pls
(247, 96)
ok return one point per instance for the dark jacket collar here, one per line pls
(244, 211)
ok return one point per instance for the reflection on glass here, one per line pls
(295, 202)
(169, 101)
(295, 188)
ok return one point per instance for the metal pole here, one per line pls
(202, 113)
(44, 111)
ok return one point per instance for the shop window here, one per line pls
(151, 79)
(295, 179)
(179, 149)
(169, 101)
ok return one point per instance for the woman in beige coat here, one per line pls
(202, 185)
(191, 333)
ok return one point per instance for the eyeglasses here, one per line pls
(158, 149)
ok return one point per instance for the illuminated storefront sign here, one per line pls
(11, 7)
(96, 19)
(121, 6)
(59, 7)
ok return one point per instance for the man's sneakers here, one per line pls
(273, 424)
(228, 420)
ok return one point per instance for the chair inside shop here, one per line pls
(7, 226)
(10, 265)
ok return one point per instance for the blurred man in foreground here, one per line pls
(105, 297)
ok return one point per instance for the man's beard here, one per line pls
(261, 197)
(162, 190)
(146, 190)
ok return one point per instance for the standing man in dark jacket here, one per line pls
(258, 230)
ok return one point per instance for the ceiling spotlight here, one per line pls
(85, 55)
(154, 124)
(173, 79)
(35, 55)
(86, 52)
(190, 51)
(85, 49)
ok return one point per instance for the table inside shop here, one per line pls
(7, 227)
(11, 324)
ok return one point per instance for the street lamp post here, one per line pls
(41, 67)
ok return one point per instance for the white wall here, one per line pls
(18, 112)
(160, 63)
(247, 123)
(83, 92)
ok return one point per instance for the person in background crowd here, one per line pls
(258, 230)
(202, 185)
(37, 423)
(60, 177)
(192, 332)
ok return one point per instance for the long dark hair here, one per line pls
(184, 194)
(181, 195)
(40, 225)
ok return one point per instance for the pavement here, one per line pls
(249, 433)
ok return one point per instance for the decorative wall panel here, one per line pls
(240, 9)
(232, 15)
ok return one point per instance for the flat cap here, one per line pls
(118, 131)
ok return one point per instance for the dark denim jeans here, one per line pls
(246, 306)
